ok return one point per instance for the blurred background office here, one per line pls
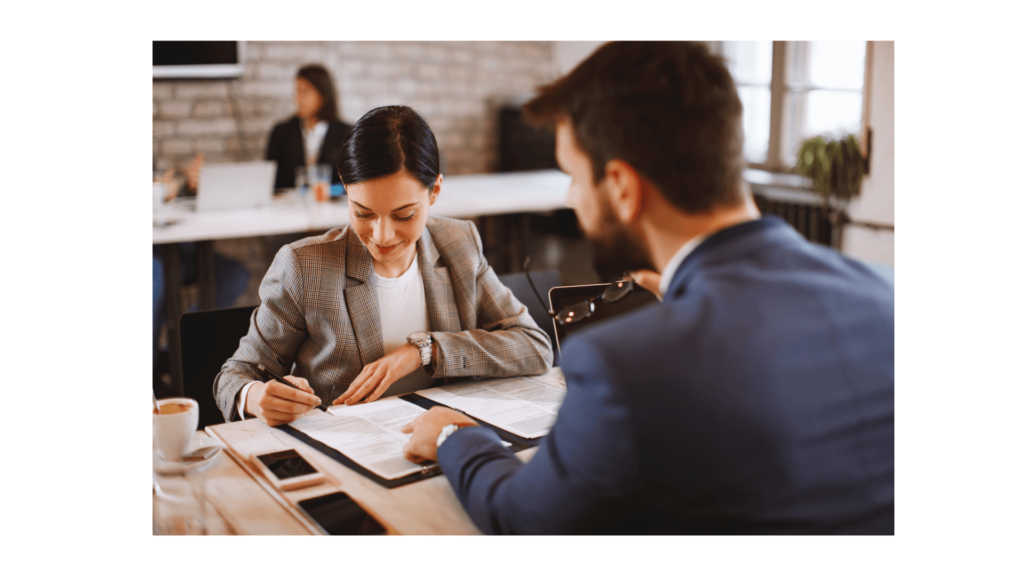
(469, 93)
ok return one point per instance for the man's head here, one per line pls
(661, 117)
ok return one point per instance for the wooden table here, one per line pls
(242, 502)
(467, 196)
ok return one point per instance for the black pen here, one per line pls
(287, 383)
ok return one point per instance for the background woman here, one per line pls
(389, 304)
(315, 134)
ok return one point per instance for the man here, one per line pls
(757, 398)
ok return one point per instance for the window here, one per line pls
(792, 91)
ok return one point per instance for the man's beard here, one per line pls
(617, 250)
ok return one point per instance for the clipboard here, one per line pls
(518, 443)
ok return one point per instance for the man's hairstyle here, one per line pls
(320, 78)
(387, 140)
(669, 109)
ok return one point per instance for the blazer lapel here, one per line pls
(437, 287)
(361, 300)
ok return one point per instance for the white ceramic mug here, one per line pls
(173, 432)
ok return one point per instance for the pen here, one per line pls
(287, 383)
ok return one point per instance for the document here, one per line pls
(524, 406)
(369, 434)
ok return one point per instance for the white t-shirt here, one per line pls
(312, 139)
(403, 310)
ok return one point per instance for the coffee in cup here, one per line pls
(174, 422)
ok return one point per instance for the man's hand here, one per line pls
(649, 280)
(275, 403)
(377, 377)
(422, 447)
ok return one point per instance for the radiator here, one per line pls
(809, 219)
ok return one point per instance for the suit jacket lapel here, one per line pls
(361, 300)
(437, 287)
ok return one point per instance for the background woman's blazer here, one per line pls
(287, 148)
(320, 310)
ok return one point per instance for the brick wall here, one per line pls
(456, 86)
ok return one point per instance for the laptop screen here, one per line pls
(562, 296)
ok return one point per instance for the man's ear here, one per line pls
(625, 190)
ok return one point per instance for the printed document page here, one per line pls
(523, 406)
(369, 434)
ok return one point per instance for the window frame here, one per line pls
(778, 131)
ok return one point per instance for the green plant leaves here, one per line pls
(835, 166)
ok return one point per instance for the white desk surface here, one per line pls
(464, 196)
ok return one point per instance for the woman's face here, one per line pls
(389, 214)
(307, 99)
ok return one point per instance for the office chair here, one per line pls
(520, 288)
(208, 339)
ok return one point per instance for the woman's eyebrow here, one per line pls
(400, 208)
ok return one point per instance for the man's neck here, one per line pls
(667, 228)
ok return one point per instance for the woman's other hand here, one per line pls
(377, 377)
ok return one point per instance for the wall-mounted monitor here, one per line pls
(198, 59)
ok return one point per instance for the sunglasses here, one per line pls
(580, 311)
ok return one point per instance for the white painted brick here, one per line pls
(175, 109)
(206, 89)
(176, 147)
(163, 90)
(275, 71)
(296, 52)
(212, 127)
(161, 128)
(207, 145)
(269, 88)
(258, 125)
(206, 109)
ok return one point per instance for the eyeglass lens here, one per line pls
(576, 312)
(618, 290)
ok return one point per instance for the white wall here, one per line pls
(568, 54)
(877, 200)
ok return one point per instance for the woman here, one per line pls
(389, 304)
(315, 134)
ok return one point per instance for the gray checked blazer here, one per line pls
(320, 310)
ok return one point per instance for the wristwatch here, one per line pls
(447, 431)
(424, 342)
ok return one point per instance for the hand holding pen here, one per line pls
(280, 399)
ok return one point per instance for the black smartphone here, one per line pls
(339, 515)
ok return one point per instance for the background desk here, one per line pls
(469, 196)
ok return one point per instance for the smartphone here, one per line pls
(339, 515)
(287, 469)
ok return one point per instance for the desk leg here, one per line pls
(207, 282)
(172, 291)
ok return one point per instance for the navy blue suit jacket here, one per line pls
(757, 398)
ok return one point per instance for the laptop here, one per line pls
(240, 185)
(561, 296)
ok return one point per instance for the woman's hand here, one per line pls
(377, 377)
(275, 403)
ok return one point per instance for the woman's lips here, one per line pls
(382, 250)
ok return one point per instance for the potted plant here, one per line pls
(836, 169)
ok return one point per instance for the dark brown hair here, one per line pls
(320, 78)
(669, 109)
(387, 140)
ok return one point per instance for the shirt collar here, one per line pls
(676, 261)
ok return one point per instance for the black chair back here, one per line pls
(545, 280)
(208, 339)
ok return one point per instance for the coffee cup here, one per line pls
(174, 425)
